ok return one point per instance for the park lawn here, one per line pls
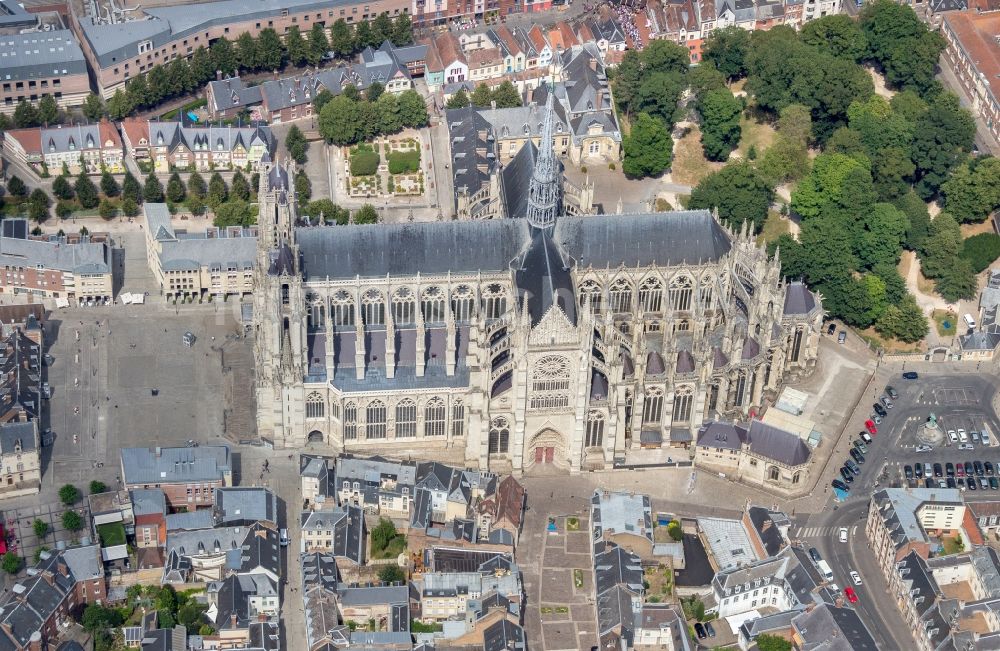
(888, 345)
(759, 135)
(940, 317)
(952, 545)
(690, 165)
(111, 534)
(774, 227)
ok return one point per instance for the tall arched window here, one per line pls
(406, 419)
(350, 421)
(373, 308)
(652, 407)
(595, 429)
(457, 418)
(432, 305)
(403, 306)
(435, 415)
(550, 383)
(591, 292)
(683, 399)
(494, 300)
(680, 293)
(620, 296)
(773, 473)
(705, 292)
(375, 420)
(797, 343)
(463, 302)
(315, 406)
(651, 295)
(499, 436)
(342, 309)
(316, 316)
(741, 389)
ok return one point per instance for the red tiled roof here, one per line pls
(508, 40)
(30, 139)
(135, 129)
(977, 35)
(971, 527)
(433, 58)
(449, 49)
(510, 501)
(537, 38)
(984, 509)
(109, 132)
(488, 56)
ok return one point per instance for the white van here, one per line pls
(969, 322)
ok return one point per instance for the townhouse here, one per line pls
(340, 531)
(187, 476)
(54, 266)
(173, 146)
(215, 553)
(91, 148)
(216, 262)
(238, 603)
(39, 63)
(974, 55)
(149, 37)
(291, 98)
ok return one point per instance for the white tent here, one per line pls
(62, 302)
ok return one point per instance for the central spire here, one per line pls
(543, 192)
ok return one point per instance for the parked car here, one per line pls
(938, 470)
(879, 409)
(699, 630)
(988, 467)
(929, 482)
(832, 328)
(949, 469)
(855, 577)
(962, 436)
(908, 472)
(814, 554)
(971, 483)
(861, 446)
(966, 446)
(870, 426)
(892, 392)
(974, 435)
(910, 375)
(865, 436)
(842, 337)
(983, 484)
(952, 436)
(969, 469)
(851, 595)
(985, 436)
(994, 483)
(875, 418)
(924, 448)
(853, 467)
(951, 483)
(847, 474)
(960, 483)
(918, 469)
(977, 466)
(840, 485)
(709, 629)
(886, 402)
(843, 534)
(857, 456)
(959, 469)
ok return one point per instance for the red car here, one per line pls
(870, 426)
(851, 595)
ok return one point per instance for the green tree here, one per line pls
(109, 186)
(233, 213)
(270, 51)
(129, 207)
(941, 139)
(152, 189)
(412, 109)
(383, 534)
(196, 185)
(137, 93)
(239, 189)
(481, 95)
(387, 111)
(131, 188)
(720, 123)
(837, 186)
(246, 51)
(303, 186)
(905, 321)
(381, 29)
(195, 204)
(69, 495)
(190, 616)
(72, 521)
(224, 57)
(40, 527)
(881, 239)
(86, 191)
(506, 96)
(374, 91)
(675, 531)
(48, 110)
(202, 65)
(341, 38)
(366, 214)
(902, 44)
(895, 286)
(96, 617)
(705, 77)
(981, 250)
(627, 77)
(181, 77)
(363, 35)
(738, 191)
(175, 189)
(328, 211)
(61, 188)
(218, 191)
(319, 44)
(12, 563)
(795, 123)
(17, 187)
(658, 94)
(768, 642)
(338, 121)
(298, 49)
(402, 30)
(957, 281)
(106, 209)
(26, 115)
(972, 191)
(93, 107)
(837, 34)
(391, 574)
(648, 148)
(458, 100)
(728, 48)
(97, 487)
(120, 105)
(661, 55)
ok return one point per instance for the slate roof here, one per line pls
(170, 465)
(244, 505)
(504, 635)
(20, 375)
(798, 299)
(543, 274)
(232, 598)
(616, 565)
(776, 444)
(80, 258)
(18, 434)
(472, 148)
(719, 434)
(515, 178)
(348, 527)
(232, 93)
(148, 501)
(615, 513)
(768, 532)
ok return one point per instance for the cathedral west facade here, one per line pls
(508, 343)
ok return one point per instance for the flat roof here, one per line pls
(40, 54)
(728, 542)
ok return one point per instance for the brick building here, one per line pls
(91, 148)
(42, 63)
(974, 54)
(187, 476)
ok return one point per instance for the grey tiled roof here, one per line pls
(13, 434)
(798, 299)
(146, 466)
(244, 505)
(82, 258)
(777, 444)
(146, 501)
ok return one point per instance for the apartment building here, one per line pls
(187, 476)
(52, 267)
(215, 553)
(376, 485)
(340, 531)
(174, 146)
(90, 148)
(36, 64)
(974, 55)
(216, 262)
(154, 36)
(899, 520)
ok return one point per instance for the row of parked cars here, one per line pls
(967, 475)
(859, 447)
(704, 630)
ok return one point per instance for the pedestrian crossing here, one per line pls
(818, 532)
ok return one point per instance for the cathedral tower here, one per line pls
(543, 192)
